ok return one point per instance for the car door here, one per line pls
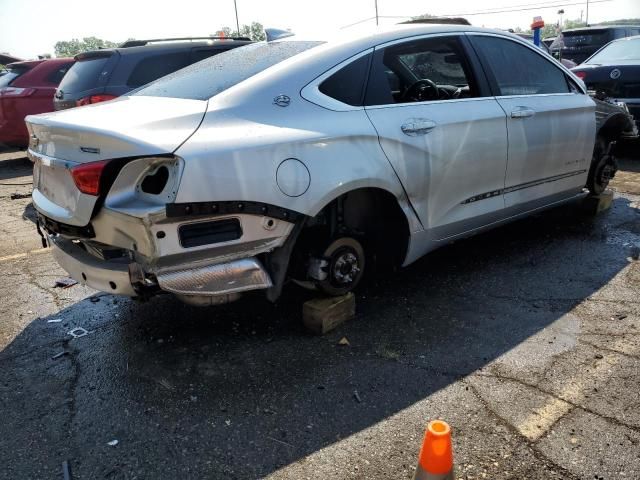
(442, 131)
(551, 126)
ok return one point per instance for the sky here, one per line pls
(32, 27)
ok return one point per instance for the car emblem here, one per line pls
(615, 73)
(282, 101)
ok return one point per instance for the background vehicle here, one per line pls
(614, 72)
(106, 74)
(301, 160)
(27, 89)
(581, 43)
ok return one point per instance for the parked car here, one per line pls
(310, 161)
(26, 89)
(109, 73)
(578, 44)
(614, 72)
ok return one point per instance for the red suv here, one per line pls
(27, 88)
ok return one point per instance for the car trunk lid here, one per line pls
(124, 128)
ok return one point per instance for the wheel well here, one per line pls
(613, 127)
(371, 215)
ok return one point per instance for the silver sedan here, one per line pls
(309, 160)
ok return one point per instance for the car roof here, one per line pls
(161, 46)
(368, 37)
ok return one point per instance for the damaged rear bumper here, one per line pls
(125, 277)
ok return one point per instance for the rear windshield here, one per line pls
(587, 38)
(214, 75)
(83, 75)
(621, 50)
(11, 75)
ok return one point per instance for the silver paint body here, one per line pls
(433, 157)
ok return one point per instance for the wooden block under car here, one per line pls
(321, 315)
(594, 204)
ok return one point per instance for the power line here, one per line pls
(538, 7)
(516, 8)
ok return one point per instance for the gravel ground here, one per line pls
(525, 339)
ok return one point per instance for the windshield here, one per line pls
(618, 51)
(214, 75)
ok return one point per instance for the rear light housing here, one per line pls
(581, 75)
(87, 176)
(94, 99)
(16, 92)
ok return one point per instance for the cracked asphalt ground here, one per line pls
(525, 339)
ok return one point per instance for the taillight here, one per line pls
(581, 75)
(16, 92)
(87, 176)
(94, 99)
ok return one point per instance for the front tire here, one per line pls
(603, 167)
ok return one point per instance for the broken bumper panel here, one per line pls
(83, 267)
(219, 279)
(202, 280)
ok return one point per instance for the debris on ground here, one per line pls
(356, 395)
(18, 196)
(94, 299)
(112, 443)
(619, 316)
(344, 342)
(60, 354)
(65, 282)
(66, 471)
(54, 320)
(78, 332)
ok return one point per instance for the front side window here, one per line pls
(418, 71)
(518, 70)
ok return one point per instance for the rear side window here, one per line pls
(422, 70)
(151, 68)
(347, 84)
(84, 75)
(56, 76)
(517, 70)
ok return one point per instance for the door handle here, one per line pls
(522, 112)
(416, 127)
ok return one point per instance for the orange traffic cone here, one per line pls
(436, 457)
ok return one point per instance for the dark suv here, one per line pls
(581, 43)
(106, 74)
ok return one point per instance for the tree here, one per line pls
(255, 32)
(75, 46)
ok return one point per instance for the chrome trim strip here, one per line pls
(522, 186)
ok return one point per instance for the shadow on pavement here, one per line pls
(241, 390)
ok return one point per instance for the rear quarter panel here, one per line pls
(236, 152)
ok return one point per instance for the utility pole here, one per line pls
(376, 2)
(235, 5)
(587, 17)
